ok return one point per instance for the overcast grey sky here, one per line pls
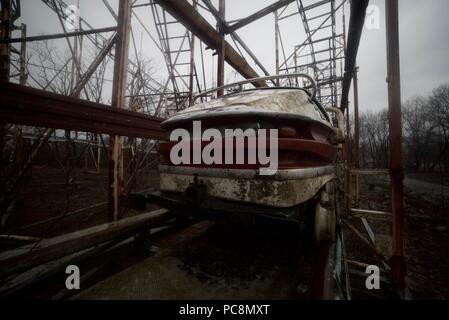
(424, 41)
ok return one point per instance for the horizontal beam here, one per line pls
(58, 35)
(186, 14)
(259, 14)
(309, 7)
(369, 172)
(29, 256)
(33, 107)
(312, 64)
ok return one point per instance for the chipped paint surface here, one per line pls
(276, 102)
(281, 193)
(286, 188)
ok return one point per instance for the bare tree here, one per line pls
(418, 133)
(439, 105)
(425, 133)
(374, 139)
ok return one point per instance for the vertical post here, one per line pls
(221, 49)
(192, 67)
(334, 56)
(67, 167)
(276, 42)
(348, 119)
(5, 50)
(296, 65)
(18, 152)
(396, 166)
(356, 120)
(115, 155)
(356, 133)
(5, 33)
(192, 62)
(23, 55)
(97, 141)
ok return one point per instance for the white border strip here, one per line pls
(281, 174)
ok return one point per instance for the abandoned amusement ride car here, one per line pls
(307, 142)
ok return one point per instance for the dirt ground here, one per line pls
(427, 240)
(426, 230)
(44, 195)
(208, 261)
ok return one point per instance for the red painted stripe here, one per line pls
(292, 153)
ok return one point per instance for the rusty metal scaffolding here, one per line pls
(322, 52)
(327, 52)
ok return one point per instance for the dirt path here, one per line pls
(419, 186)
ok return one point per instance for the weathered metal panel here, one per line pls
(288, 188)
(280, 102)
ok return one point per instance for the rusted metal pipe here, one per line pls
(356, 121)
(276, 43)
(356, 134)
(58, 35)
(5, 51)
(19, 105)
(192, 61)
(222, 48)
(115, 155)
(396, 165)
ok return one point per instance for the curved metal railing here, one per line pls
(243, 82)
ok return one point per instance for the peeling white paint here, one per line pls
(274, 102)
(282, 193)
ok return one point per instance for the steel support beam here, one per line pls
(28, 256)
(356, 22)
(221, 48)
(235, 36)
(276, 43)
(396, 165)
(192, 62)
(115, 155)
(33, 107)
(356, 122)
(356, 135)
(58, 35)
(193, 21)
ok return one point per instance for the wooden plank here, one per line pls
(369, 172)
(28, 256)
(374, 213)
(16, 238)
(41, 272)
